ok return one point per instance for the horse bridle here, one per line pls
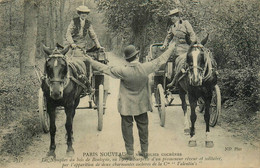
(197, 67)
(65, 81)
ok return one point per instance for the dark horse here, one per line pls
(197, 80)
(60, 89)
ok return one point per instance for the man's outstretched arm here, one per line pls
(113, 71)
(155, 64)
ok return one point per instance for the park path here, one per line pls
(167, 145)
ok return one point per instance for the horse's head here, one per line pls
(196, 63)
(56, 69)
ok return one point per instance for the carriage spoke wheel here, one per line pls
(160, 99)
(44, 116)
(215, 106)
(100, 106)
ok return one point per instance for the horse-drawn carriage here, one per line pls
(64, 82)
(98, 85)
(164, 95)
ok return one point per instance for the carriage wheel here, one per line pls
(104, 101)
(100, 106)
(160, 99)
(44, 116)
(215, 106)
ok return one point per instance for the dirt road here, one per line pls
(168, 146)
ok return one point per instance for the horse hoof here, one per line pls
(209, 144)
(51, 155)
(187, 131)
(70, 152)
(192, 143)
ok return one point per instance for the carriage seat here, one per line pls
(97, 55)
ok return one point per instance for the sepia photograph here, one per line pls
(129, 83)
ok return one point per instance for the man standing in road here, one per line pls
(134, 100)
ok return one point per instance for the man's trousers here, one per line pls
(127, 132)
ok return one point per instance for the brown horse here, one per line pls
(60, 89)
(197, 79)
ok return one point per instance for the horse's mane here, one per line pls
(210, 63)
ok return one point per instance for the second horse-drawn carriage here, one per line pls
(196, 77)
(164, 95)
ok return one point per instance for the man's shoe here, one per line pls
(127, 157)
(144, 154)
(171, 84)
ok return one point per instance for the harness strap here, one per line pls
(182, 76)
(73, 67)
(78, 82)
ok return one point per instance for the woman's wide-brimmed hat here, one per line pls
(173, 12)
(83, 9)
(130, 51)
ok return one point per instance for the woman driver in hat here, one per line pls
(79, 27)
(182, 33)
(77, 30)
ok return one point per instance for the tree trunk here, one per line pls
(10, 23)
(61, 14)
(47, 26)
(51, 23)
(27, 58)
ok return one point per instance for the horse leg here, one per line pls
(70, 111)
(209, 142)
(193, 118)
(182, 94)
(73, 114)
(52, 115)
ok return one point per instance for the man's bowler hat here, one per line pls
(130, 51)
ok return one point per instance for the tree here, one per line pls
(138, 22)
(27, 57)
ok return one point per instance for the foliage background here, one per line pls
(233, 26)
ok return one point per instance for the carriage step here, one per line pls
(156, 105)
(95, 107)
(176, 104)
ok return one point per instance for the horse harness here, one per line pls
(68, 76)
(208, 65)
